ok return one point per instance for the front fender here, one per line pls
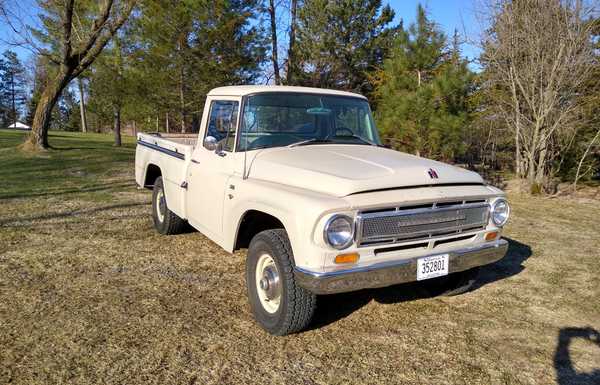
(297, 209)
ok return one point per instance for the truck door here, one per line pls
(209, 170)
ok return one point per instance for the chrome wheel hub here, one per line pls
(270, 282)
(160, 205)
(268, 285)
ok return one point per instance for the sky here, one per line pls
(24, 9)
(449, 14)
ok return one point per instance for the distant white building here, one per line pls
(19, 126)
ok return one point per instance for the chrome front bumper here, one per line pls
(391, 273)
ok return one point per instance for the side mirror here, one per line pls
(210, 143)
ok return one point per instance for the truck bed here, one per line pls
(175, 142)
(171, 153)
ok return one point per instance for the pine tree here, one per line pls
(65, 115)
(186, 48)
(13, 95)
(422, 92)
(340, 42)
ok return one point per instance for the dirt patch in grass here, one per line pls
(90, 293)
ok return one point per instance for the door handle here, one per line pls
(195, 161)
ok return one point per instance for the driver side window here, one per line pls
(222, 122)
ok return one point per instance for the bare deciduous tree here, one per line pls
(77, 42)
(579, 172)
(537, 55)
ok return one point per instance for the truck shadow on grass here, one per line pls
(25, 221)
(331, 308)
(563, 362)
(511, 264)
(103, 187)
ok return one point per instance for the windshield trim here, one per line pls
(245, 98)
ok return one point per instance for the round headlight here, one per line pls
(500, 212)
(339, 231)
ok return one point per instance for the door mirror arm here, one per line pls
(219, 149)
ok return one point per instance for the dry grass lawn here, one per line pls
(90, 293)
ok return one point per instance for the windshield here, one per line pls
(281, 119)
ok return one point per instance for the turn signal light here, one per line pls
(347, 258)
(491, 236)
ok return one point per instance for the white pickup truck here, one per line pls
(298, 176)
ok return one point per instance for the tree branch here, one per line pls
(102, 40)
(97, 30)
(67, 23)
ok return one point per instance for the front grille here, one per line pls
(402, 224)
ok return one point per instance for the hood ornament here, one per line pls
(432, 173)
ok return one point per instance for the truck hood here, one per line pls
(341, 170)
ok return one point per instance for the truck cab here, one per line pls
(299, 178)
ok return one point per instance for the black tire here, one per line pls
(296, 304)
(170, 223)
(452, 284)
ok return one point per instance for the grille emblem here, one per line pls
(432, 173)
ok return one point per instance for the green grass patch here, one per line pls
(76, 163)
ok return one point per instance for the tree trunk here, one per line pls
(517, 112)
(167, 122)
(182, 98)
(82, 105)
(531, 169)
(117, 126)
(274, 42)
(518, 165)
(291, 68)
(38, 138)
(541, 163)
(12, 90)
(538, 146)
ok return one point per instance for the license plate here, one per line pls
(431, 267)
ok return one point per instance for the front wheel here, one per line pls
(279, 305)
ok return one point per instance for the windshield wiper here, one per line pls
(309, 141)
(354, 136)
(318, 140)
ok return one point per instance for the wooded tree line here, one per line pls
(530, 106)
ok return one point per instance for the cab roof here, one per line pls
(247, 90)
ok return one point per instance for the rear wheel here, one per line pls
(165, 221)
(453, 284)
(279, 305)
